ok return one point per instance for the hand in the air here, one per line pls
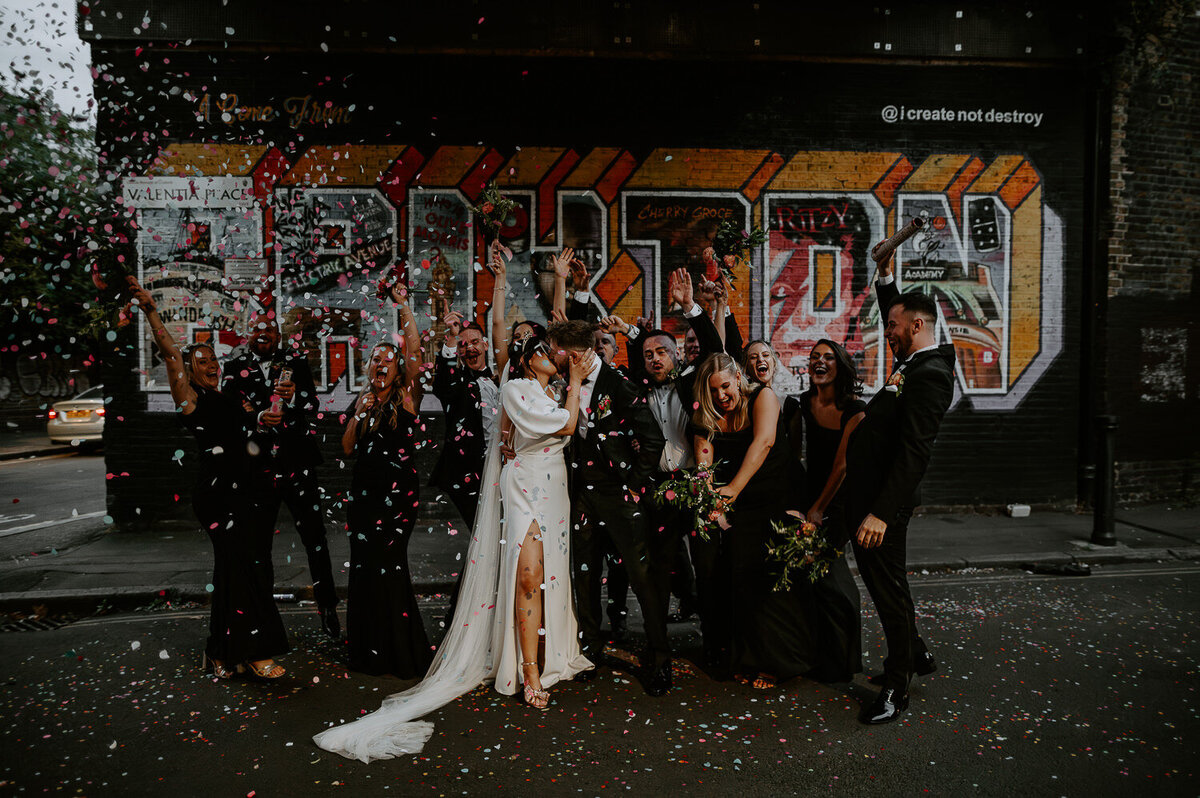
(453, 321)
(561, 263)
(614, 324)
(679, 288)
(579, 274)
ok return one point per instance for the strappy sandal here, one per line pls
(218, 669)
(764, 681)
(538, 699)
(266, 671)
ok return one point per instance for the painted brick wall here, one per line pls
(1153, 337)
(807, 150)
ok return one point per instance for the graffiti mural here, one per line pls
(199, 243)
(991, 253)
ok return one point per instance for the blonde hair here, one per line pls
(188, 356)
(386, 413)
(707, 417)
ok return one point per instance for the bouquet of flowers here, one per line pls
(731, 246)
(694, 489)
(802, 548)
(494, 208)
(390, 279)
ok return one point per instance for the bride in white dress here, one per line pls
(516, 590)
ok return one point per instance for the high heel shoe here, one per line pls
(268, 671)
(217, 669)
(538, 699)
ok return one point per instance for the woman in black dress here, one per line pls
(245, 630)
(824, 417)
(383, 622)
(741, 428)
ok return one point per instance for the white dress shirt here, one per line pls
(585, 396)
(672, 419)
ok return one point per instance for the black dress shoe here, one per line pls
(586, 676)
(717, 665)
(924, 665)
(886, 707)
(618, 628)
(687, 611)
(330, 622)
(659, 681)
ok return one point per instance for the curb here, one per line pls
(21, 454)
(85, 600)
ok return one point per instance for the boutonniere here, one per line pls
(895, 383)
(603, 406)
(674, 374)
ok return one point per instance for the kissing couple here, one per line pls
(528, 613)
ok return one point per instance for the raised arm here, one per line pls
(181, 391)
(766, 422)
(561, 264)
(581, 306)
(499, 298)
(412, 343)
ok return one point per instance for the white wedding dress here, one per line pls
(481, 641)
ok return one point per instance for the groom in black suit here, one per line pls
(610, 501)
(885, 461)
(258, 379)
(670, 387)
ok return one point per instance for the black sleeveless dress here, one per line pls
(836, 604)
(383, 622)
(771, 630)
(244, 623)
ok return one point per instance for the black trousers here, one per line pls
(884, 570)
(713, 563)
(299, 490)
(597, 519)
(673, 527)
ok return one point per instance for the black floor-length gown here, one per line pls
(383, 622)
(244, 623)
(771, 630)
(837, 607)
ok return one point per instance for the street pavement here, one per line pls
(1048, 685)
(78, 558)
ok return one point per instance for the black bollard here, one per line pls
(1104, 498)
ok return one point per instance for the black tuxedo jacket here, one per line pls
(733, 338)
(295, 438)
(605, 461)
(463, 446)
(710, 342)
(889, 450)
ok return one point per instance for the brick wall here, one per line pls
(802, 149)
(1153, 338)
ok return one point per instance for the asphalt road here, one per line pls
(50, 502)
(1047, 686)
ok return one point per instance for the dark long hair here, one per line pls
(846, 384)
(515, 349)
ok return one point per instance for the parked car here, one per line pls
(78, 420)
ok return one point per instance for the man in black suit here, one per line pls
(656, 365)
(280, 406)
(467, 389)
(610, 499)
(885, 461)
